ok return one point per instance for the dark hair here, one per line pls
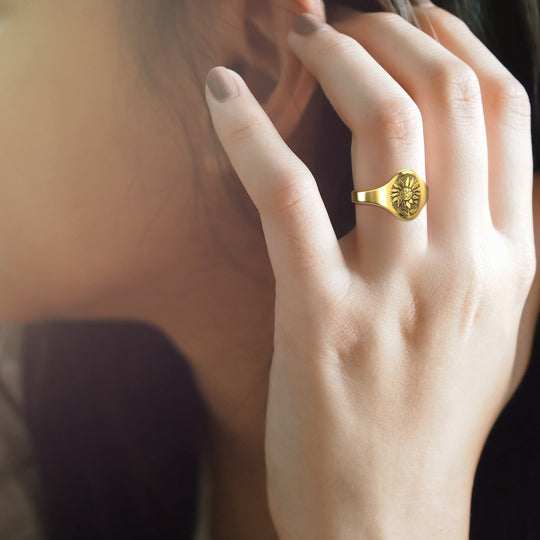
(113, 408)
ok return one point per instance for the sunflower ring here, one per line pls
(404, 195)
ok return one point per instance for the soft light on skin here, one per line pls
(89, 194)
(109, 207)
(100, 204)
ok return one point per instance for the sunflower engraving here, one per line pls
(405, 196)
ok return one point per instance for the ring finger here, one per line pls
(387, 136)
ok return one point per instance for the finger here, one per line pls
(447, 93)
(301, 242)
(507, 112)
(387, 135)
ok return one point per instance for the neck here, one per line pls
(217, 306)
(227, 336)
(228, 340)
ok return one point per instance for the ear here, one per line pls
(274, 74)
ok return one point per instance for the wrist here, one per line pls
(386, 515)
(435, 517)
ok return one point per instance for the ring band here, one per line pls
(405, 194)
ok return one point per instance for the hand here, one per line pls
(394, 346)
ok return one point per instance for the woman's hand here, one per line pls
(394, 346)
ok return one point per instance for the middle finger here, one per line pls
(448, 93)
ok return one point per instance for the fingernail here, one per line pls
(306, 24)
(424, 3)
(221, 84)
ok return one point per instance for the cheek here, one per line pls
(91, 184)
(84, 223)
(87, 221)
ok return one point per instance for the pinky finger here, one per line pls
(301, 242)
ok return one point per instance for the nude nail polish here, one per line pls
(221, 84)
(306, 24)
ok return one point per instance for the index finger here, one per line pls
(301, 241)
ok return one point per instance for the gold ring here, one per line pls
(405, 194)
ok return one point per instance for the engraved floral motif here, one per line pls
(405, 195)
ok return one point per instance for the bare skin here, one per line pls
(451, 520)
(83, 235)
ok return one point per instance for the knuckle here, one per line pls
(458, 86)
(400, 119)
(467, 271)
(293, 194)
(339, 45)
(246, 129)
(508, 96)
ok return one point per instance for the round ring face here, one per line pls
(405, 195)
